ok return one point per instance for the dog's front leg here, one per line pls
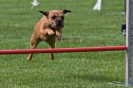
(50, 32)
(59, 34)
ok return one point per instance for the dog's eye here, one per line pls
(53, 17)
(62, 17)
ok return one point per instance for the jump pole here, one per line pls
(63, 50)
(129, 42)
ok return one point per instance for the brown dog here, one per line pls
(47, 29)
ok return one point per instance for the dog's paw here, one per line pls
(50, 32)
(29, 58)
(59, 37)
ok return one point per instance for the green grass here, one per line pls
(83, 27)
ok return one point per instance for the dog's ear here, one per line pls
(65, 11)
(45, 13)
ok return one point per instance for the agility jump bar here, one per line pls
(64, 50)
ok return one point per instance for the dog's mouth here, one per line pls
(59, 23)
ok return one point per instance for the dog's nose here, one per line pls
(59, 22)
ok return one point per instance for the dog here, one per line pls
(48, 29)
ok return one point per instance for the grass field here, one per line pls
(83, 28)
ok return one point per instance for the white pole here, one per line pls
(98, 5)
(129, 42)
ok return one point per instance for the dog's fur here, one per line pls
(48, 29)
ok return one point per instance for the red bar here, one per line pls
(63, 50)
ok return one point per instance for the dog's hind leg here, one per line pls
(33, 44)
(52, 54)
(52, 46)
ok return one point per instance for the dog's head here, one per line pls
(55, 18)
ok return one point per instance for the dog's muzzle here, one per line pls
(59, 23)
